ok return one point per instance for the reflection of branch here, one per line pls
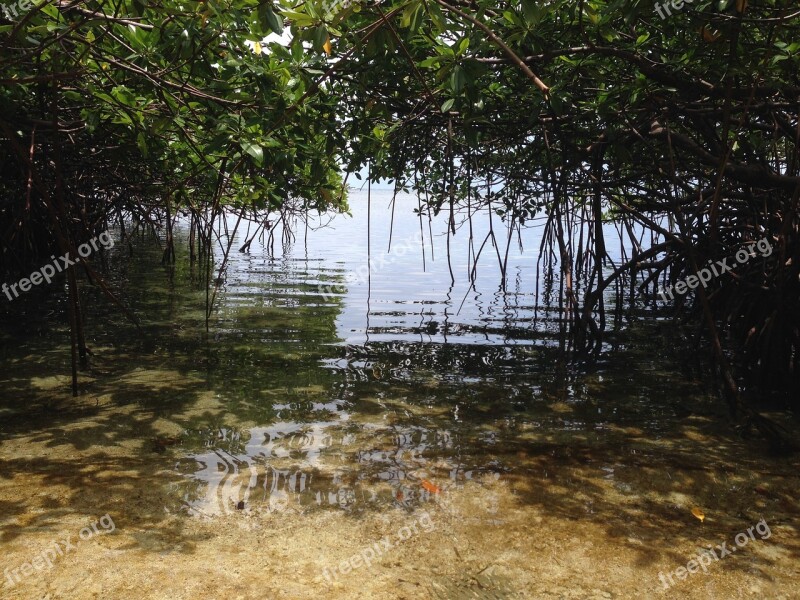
(503, 46)
(103, 285)
(223, 266)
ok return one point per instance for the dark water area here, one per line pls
(322, 385)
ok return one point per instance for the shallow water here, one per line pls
(330, 406)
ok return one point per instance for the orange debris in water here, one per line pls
(430, 487)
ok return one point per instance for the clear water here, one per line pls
(319, 388)
(340, 385)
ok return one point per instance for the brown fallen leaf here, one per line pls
(160, 444)
(430, 487)
(709, 35)
(699, 514)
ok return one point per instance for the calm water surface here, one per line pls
(326, 384)
(328, 402)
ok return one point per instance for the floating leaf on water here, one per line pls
(430, 487)
(699, 514)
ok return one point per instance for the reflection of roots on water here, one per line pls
(283, 467)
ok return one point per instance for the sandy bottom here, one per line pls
(571, 522)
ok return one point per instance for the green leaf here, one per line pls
(448, 104)
(433, 61)
(298, 18)
(457, 80)
(416, 19)
(51, 11)
(254, 150)
(530, 12)
(271, 20)
(218, 143)
(320, 37)
(408, 14)
(142, 143)
(435, 13)
(297, 50)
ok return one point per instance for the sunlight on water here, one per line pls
(329, 404)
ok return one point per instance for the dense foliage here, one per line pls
(682, 130)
